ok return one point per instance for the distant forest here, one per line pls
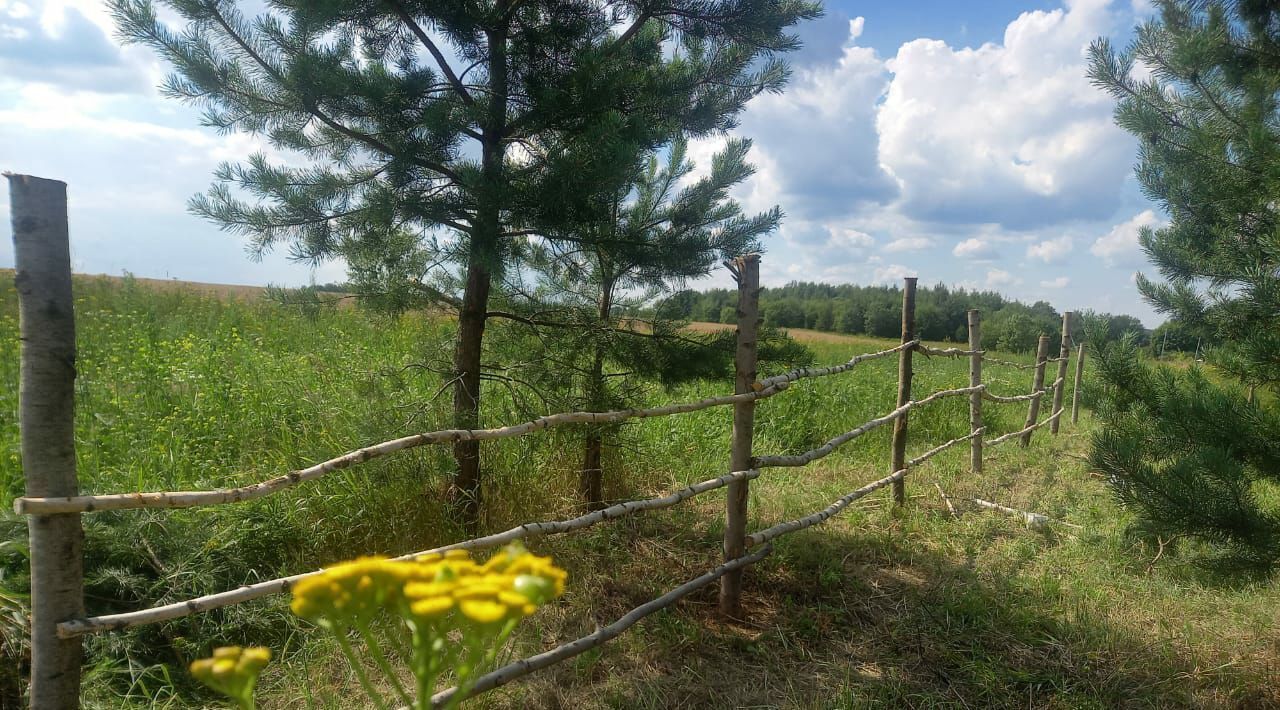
(877, 310)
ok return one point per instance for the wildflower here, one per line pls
(233, 671)
(459, 612)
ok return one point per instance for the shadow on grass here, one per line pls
(866, 619)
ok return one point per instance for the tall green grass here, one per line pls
(183, 391)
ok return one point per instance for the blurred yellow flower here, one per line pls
(233, 671)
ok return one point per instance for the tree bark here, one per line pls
(1075, 391)
(485, 255)
(744, 365)
(899, 456)
(591, 479)
(466, 390)
(1037, 385)
(975, 400)
(1064, 355)
(46, 412)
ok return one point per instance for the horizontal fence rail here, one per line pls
(1015, 398)
(115, 622)
(853, 362)
(948, 352)
(821, 516)
(1025, 430)
(188, 499)
(1008, 363)
(524, 667)
(53, 642)
(830, 446)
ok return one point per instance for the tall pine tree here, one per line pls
(643, 241)
(1198, 88)
(452, 133)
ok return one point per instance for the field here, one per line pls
(914, 608)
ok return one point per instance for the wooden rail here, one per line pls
(188, 499)
(827, 448)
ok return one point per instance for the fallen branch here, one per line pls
(1035, 521)
(947, 499)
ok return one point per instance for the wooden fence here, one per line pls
(54, 507)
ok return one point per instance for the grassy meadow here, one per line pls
(911, 608)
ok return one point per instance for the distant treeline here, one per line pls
(877, 310)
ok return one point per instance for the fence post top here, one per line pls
(32, 179)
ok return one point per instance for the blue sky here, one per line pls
(955, 141)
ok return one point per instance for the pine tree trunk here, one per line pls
(485, 253)
(592, 475)
(466, 390)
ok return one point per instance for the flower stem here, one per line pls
(359, 669)
(380, 659)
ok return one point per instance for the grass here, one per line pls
(909, 608)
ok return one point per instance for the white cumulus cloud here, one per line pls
(1009, 133)
(999, 277)
(1051, 251)
(975, 249)
(893, 274)
(1119, 247)
(849, 239)
(908, 244)
(1060, 282)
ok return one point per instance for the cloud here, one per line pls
(1119, 247)
(893, 274)
(999, 277)
(1060, 282)
(61, 46)
(908, 244)
(1051, 251)
(1011, 134)
(849, 239)
(816, 142)
(975, 250)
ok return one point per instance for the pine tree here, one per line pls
(643, 243)
(1198, 88)
(451, 134)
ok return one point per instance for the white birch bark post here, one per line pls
(46, 416)
(1075, 389)
(735, 529)
(899, 457)
(975, 399)
(1037, 386)
(1064, 356)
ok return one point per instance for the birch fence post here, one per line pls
(1037, 386)
(899, 459)
(747, 270)
(1064, 356)
(975, 379)
(1075, 390)
(46, 417)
